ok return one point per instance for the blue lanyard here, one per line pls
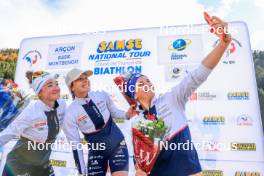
(94, 114)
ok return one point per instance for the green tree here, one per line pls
(8, 58)
(258, 57)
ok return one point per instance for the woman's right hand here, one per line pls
(131, 112)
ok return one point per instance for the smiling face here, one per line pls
(144, 89)
(50, 91)
(81, 86)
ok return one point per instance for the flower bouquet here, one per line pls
(147, 133)
(12, 102)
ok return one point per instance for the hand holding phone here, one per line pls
(208, 19)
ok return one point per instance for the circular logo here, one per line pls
(179, 44)
(32, 57)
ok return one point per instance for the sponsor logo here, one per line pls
(179, 45)
(233, 48)
(65, 55)
(96, 157)
(32, 57)
(243, 146)
(130, 49)
(180, 49)
(120, 53)
(176, 72)
(58, 163)
(117, 46)
(247, 173)
(194, 96)
(238, 95)
(94, 162)
(202, 96)
(64, 49)
(214, 120)
(244, 120)
(118, 120)
(212, 173)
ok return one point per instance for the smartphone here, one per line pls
(208, 19)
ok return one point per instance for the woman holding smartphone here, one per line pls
(171, 108)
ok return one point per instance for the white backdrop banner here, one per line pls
(223, 113)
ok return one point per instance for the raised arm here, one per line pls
(195, 78)
(212, 59)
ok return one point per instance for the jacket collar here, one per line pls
(45, 107)
(83, 100)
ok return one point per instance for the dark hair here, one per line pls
(72, 93)
(29, 76)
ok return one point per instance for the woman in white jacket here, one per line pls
(91, 113)
(171, 108)
(37, 126)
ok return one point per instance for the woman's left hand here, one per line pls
(220, 27)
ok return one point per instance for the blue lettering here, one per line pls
(117, 70)
(64, 49)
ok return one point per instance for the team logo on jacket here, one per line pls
(40, 124)
(82, 119)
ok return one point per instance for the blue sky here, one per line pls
(22, 18)
(249, 11)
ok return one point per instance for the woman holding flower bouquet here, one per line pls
(38, 124)
(91, 112)
(170, 107)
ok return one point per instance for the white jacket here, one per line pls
(77, 119)
(171, 106)
(32, 123)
